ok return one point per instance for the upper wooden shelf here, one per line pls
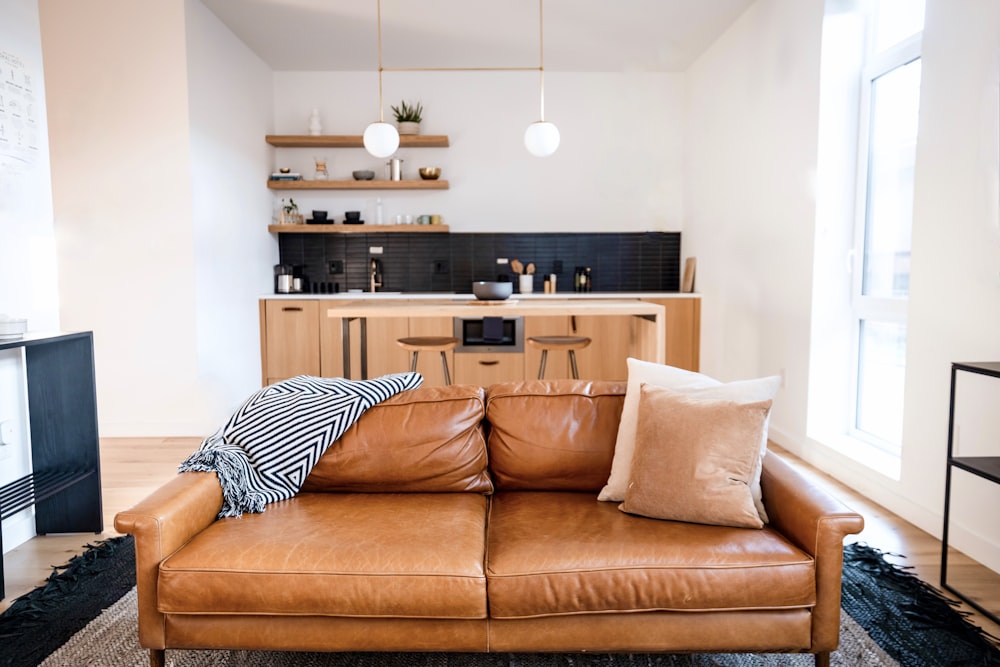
(354, 229)
(353, 141)
(357, 185)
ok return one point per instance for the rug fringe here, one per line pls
(922, 605)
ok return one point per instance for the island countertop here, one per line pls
(461, 298)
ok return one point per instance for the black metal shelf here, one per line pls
(64, 486)
(986, 467)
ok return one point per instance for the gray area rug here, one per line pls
(111, 639)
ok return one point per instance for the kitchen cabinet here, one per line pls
(298, 337)
(290, 339)
(683, 332)
(486, 368)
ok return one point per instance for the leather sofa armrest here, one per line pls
(817, 523)
(162, 523)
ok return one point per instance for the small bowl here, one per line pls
(352, 215)
(429, 173)
(492, 291)
(363, 175)
(319, 216)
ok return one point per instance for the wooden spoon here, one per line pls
(531, 268)
(517, 266)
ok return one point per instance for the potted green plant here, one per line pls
(408, 117)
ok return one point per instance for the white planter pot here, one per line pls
(408, 128)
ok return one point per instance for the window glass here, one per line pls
(895, 99)
(882, 366)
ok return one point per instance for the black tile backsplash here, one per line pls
(429, 262)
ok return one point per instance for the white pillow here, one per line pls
(697, 386)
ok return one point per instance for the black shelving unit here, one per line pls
(986, 467)
(65, 483)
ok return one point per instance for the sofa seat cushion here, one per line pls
(559, 553)
(353, 555)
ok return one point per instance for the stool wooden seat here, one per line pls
(418, 344)
(568, 343)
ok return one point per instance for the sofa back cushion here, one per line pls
(553, 435)
(420, 441)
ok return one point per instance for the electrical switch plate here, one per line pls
(501, 260)
(375, 250)
(336, 266)
(6, 432)
(441, 267)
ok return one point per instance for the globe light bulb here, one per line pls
(381, 139)
(541, 138)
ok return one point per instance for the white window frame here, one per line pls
(870, 308)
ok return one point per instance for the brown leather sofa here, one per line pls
(464, 519)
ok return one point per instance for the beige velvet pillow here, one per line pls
(694, 459)
(687, 382)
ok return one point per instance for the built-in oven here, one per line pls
(489, 334)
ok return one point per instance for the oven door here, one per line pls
(489, 334)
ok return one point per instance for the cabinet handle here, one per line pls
(292, 309)
(572, 323)
(489, 363)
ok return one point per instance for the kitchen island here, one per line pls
(306, 333)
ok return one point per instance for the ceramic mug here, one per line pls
(423, 220)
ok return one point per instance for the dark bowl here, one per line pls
(492, 291)
(352, 215)
(363, 175)
(319, 215)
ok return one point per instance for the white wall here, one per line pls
(27, 235)
(753, 135)
(152, 193)
(229, 91)
(618, 167)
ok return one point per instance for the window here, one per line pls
(890, 102)
(869, 105)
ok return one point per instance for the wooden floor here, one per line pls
(132, 468)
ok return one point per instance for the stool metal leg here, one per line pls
(413, 361)
(572, 362)
(541, 367)
(444, 367)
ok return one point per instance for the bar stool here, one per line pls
(418, 344)
(568, 343)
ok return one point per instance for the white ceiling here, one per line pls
(579, 35)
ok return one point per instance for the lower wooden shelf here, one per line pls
(356, 229)
(357, 185)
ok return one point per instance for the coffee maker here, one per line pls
(289, 279)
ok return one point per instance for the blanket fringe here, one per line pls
(231, 466)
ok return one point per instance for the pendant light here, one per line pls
(541, 138)
(380, 139)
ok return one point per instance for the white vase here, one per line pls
(407, 127)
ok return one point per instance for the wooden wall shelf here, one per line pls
(353, 141)
(356, 229)
(357, 185)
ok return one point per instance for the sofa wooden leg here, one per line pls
(823, 659)
(157, 657)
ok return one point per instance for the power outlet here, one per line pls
(441, 267)
(7, 444)
(336, 266)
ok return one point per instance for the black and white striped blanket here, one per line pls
(267, 448)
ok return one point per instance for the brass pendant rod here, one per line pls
(379, 18)
(541, 65)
